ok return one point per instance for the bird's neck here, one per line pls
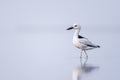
(76, 33)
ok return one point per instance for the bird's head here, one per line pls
(75, 27)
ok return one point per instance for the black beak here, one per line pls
(69, 28)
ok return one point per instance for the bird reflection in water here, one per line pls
(83, 69)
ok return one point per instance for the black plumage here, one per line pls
(80, 36)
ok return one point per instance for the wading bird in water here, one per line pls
(80, 41)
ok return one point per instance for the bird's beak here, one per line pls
(69, 28)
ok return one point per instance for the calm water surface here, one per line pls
(52, 56)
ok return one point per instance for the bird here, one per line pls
(81, 42)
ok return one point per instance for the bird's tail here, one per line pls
(98, 46)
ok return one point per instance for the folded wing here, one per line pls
(86, 42)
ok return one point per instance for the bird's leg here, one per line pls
(81, 54)
(85, 53)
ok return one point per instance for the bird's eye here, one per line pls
(75, 25)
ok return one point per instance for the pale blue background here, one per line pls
(34, 43)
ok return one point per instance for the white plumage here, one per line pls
(81, 42)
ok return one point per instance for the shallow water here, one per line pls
(52, 56)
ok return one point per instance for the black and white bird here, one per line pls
(80, 41)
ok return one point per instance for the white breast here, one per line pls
(76, 42)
